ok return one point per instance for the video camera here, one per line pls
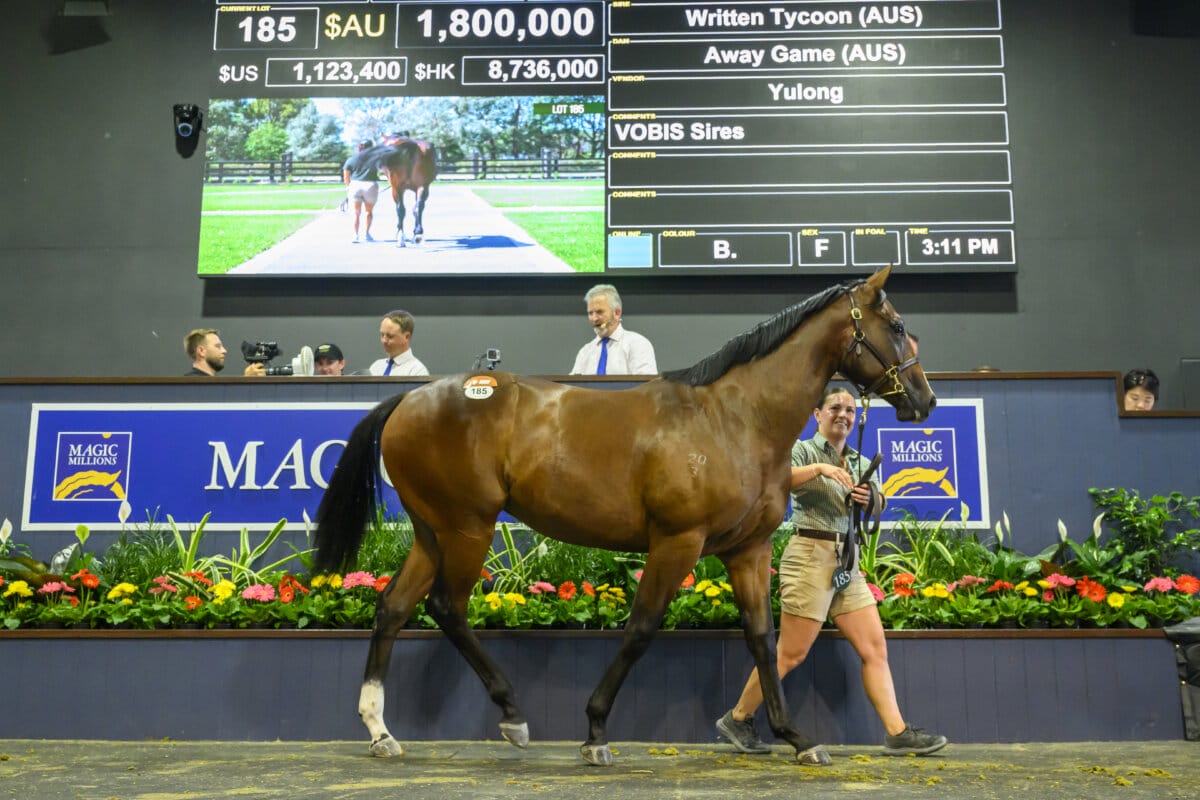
(263, 352)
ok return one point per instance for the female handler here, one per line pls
(821, 475)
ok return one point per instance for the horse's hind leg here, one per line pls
(395, 606)
(447, 604)
(419, 214)
(398, 196)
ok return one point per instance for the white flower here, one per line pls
(1062, 531)
(124, 511)
(5, 532)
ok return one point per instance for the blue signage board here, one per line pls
(929, 470)
(249, 464)
(252, 464)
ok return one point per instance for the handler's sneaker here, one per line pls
(741, 734)
(912, 742)
(369, 238)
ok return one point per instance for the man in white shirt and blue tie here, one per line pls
(395, 334)
(614, 351)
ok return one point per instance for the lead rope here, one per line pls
(858, 518)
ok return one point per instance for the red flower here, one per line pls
(903, 591)
(381, 582)
(1188, 584)
(904, 579)
(566, 590)
(1090, 590)
(192, 602)
(73, 601)
(86, 578)
(483, 573)
(286, 593)
(997, 586)
(689, 581)
(588, 589)
(198, 576)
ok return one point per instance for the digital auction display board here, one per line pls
(619, 137)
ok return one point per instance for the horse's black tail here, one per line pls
(353, 492)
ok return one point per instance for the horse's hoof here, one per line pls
(598, 755)
(515, 733)
(386, 747)
(400, 242)
(418, 238)
(815, 756)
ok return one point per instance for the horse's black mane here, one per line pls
(763, 339)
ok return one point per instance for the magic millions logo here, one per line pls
(918, 463)
(92, 466)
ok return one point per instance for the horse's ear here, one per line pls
(881, 277)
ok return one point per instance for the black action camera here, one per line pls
(188, 121)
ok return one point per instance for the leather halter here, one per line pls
(891, 373)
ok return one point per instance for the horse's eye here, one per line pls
(898, 327)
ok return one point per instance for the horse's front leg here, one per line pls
(666, 566)
(750, 578)
(398, 196)
(419, 214)
(392, 611)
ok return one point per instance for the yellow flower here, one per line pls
(1045, 584)
(1030, 591)
(121, 590)
(936, 590)
(716, 602)
(125, 601)
(335, 581)
(19, 588)
(712, 591)
(319, 580)
(1022, 586)
(703, 585)
(725, 586)
(1128, 589)
(492, 599)
(1116, 600)
(515, 598)
(223, 590)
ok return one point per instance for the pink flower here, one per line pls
(637, 576)
(1058, 579)
(876, 592)
(542, 586)
(352, 579)
(262, 592)
(1159, 584)
(55, 586)
(1048, 595)
(163, 585)
(970, 580)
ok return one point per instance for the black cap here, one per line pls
(365, 143)
(331, 351)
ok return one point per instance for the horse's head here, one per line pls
(880, 355)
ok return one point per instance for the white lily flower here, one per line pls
(5, 532)
(124, 511)
(1062, 531)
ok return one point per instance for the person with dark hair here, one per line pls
(358, 173)
(823, 472)
(395, 334)
(328, 360)
(614, 350)
(203, 346)
(1140, 390)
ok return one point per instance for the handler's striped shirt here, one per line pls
(820, 504)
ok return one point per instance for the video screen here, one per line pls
(276, 199)
(495, 137)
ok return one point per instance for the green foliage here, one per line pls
(139, 555)
(386, 544)
(1149, 534)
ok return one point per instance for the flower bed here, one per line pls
(933, 575)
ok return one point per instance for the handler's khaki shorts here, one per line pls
(806, 582)
(363, 191)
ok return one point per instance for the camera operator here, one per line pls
(204, 347)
